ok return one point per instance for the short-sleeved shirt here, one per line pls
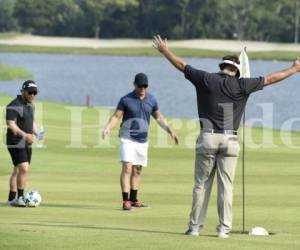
(136, 118)
(221, 98)
(22, 113)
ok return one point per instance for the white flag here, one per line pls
(244, 64)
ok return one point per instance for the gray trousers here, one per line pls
(214, 152)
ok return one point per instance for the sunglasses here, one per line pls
(32, 93)
(142, 86)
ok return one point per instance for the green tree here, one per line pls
(182, 28)
(296, 20)
(271, 21)
(7, 20)
(157, 16)
(52, 17)
(264, 20)
(69, 19)
(121, 22)
(235, 15)
(203, 19)
(97, 10)
(33, 16)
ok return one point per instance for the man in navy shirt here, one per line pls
(221, 99)
(136, 109)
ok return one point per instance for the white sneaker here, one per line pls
(20, 202)
(223, 235)
(12, 203)
(192, 232)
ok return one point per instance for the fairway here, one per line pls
(81, 207)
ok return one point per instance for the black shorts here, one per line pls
(20, 155)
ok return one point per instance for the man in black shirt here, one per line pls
(221, 99)
(21, 130)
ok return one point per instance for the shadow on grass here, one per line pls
(60, 225)
(71, 206)
(106, 228)
(247, 232)
(234, 232)
(53, 205)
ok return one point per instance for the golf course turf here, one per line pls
(81, 206)
(13, 73)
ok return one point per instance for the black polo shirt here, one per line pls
(221, 98)
(22, 113)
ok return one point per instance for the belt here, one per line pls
(217, 131)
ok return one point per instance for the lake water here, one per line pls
(69, 78)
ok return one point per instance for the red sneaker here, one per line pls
(138, 204)
(126, 205)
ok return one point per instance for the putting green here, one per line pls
(82, 200)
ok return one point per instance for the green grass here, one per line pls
(82, 200)
(264, 55)
(13, 73)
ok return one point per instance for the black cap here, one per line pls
(141, 79)
(29, 85)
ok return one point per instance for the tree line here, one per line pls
(262, 20)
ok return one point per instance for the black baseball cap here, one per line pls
(30, 85)
(141, 79)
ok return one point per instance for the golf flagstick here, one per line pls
(245, 73)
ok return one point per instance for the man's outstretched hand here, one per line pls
(297, 64)
(160, 44)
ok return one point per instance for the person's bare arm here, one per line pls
(283, 74)
(112, 122)
(18, 132)
(162, 46)
(160, 119)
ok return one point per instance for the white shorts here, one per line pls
(133, 152)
